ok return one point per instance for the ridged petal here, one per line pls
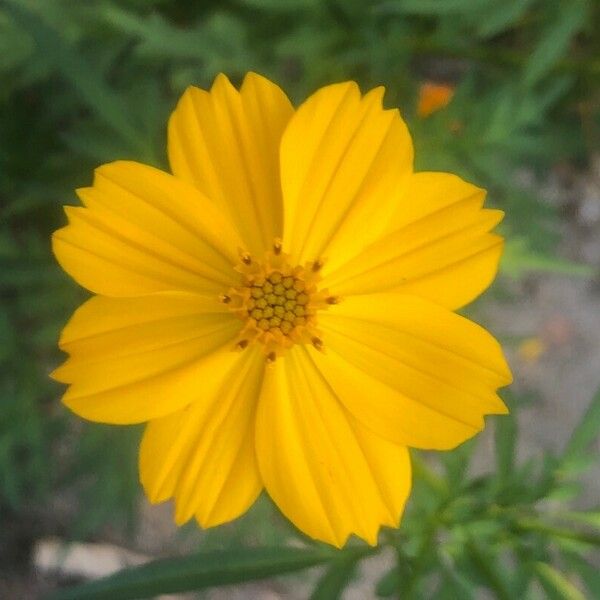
(325, 471)
(440, 247)
(226, 143)
(344, 164)
(203, 456)
(410, 370)
(136, 359)
(143, 231)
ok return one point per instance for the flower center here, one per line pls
(277, 302)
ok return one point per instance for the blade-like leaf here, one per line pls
(336, 578)
(389, 584)
(556, 585)
(75, 70)
(555, 39)
(518, 259)
(486, 565)
(586, 571)
(584, 434)
(197, 572)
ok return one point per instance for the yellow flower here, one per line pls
(280, 309)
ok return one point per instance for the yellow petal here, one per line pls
(135, 359)
(203, 456)
(412, 371)
(327, 473)
(227, 144)
(440, 247)
(344, 163)
(143, 231)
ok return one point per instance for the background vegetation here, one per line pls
(83, 83)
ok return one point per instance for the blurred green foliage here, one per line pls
(83, 83)
(511, 531)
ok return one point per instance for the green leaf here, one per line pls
(519, 258)
(455, 585)
(85, 81)
(584, 434)
(198, 571)
(456, 463)
(591, 517)
(389, 584)
(556, 585)
(589, 574)
(559, 533)
(487, 566)
(555, 39)
(336, 578)
(564, 491)
(501, 16)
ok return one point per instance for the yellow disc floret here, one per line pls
(277, 302)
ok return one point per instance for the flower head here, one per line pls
(280, 310)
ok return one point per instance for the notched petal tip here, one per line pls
(252, 77)
(57, 374)
(376, 94)
(502, 409)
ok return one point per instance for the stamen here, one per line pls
(317, 265)
(317, 343)
(271, 357)
(277, 247)
(332, 300)
(225, 299)
(242, 344)
(246, 259)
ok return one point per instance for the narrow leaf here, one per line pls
(519, 259)
(336, 578)
(585, 433)
(555, 39)
(76, 71)
(389, 584)
(485, 564)
(556, 585)
(195, 572)
(586, 571)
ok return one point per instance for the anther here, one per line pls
(277, 247)
(332, 300)
(317, 265)
(225, 299)
(317, 343)
(242, 344)
(271, 357)
(246, 259)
